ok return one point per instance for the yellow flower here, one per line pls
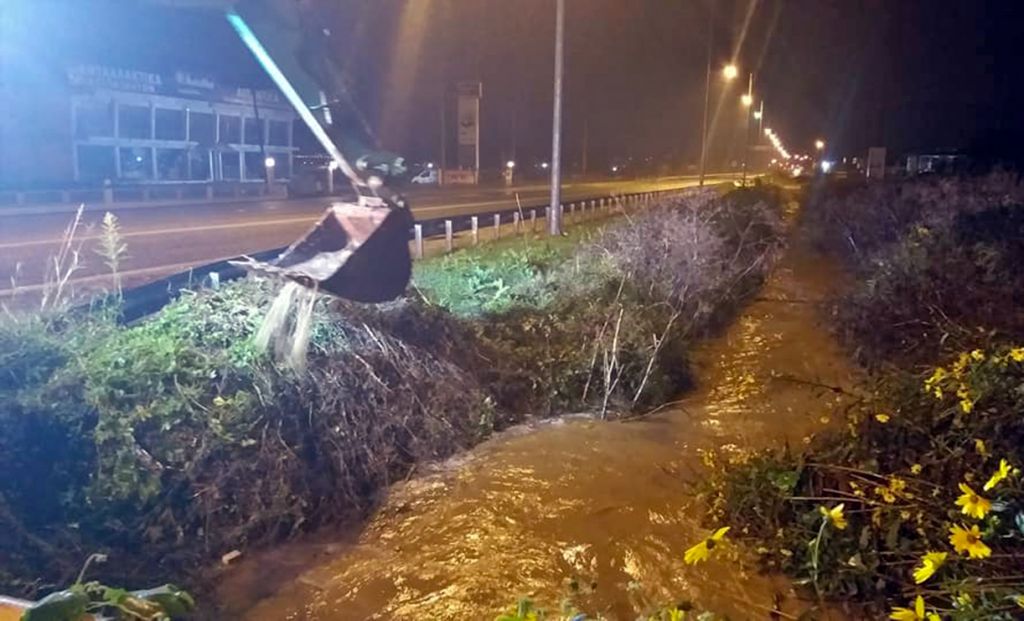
(972, 504)
(882, 418)
(998, 475)
(915, 614)
(834, 515)
(897, 485)
(930, 563)
(966, 405)
(978, 355)
(936, 377)
(916, 469)
(702, 550)
(968, 542)
(979, 447)
(886, 494)
(964, 600)
(1017, 354)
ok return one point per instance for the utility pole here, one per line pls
(747, 106)
(707, 96)
(555, 221)
(586, 140)
(444, 135)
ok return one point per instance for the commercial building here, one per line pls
(138, 127)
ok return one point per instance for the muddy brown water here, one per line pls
(604, 503)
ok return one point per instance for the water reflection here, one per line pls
(596, 509)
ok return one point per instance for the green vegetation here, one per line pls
(171, 442)
(914, 508)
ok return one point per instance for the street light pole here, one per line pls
(555, 219)
(748, 101)
(707, 96)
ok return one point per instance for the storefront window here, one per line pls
(230, 129)
(136, 163)
(170, 124)
(278, 134)
(199, 164)
(133, 122)
(254, 169)
(253, 131)
(201, 128)
(230, 166)
(171, 164)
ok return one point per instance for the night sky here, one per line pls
(907, 74)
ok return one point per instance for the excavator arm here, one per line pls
(356, 251)
(292, 44)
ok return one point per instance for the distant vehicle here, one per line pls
(427, 176)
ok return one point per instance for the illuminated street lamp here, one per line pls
(819, 144)
(729, 72)
(510, 164)
(269, 164)
(757, 115)
(747, 99)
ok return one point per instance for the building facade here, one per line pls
(98, 123)
(134, 126)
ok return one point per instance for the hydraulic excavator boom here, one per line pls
(358, 251)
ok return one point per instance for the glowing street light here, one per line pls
(729, 72)
(747, 99)
(819, 144)
(510, 164)
(270, 162)
(757, 115)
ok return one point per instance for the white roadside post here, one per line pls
(418, 232)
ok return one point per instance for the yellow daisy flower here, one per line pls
(882, 418)
(1017, 354)
(702, 550)
(968, 542)
(979, 447)
(917, 613)
(999, 475)
(972, 504)
(978, 355)
(930, 563)
(966, 405)
(916, 469)
(834, 515)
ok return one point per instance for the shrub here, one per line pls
(934, 263)
(929, 458)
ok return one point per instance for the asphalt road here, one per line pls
(162, 240)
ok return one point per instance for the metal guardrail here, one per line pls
(142, 301)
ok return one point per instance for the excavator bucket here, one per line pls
(358, 252)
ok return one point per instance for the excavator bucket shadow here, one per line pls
(358, 252)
